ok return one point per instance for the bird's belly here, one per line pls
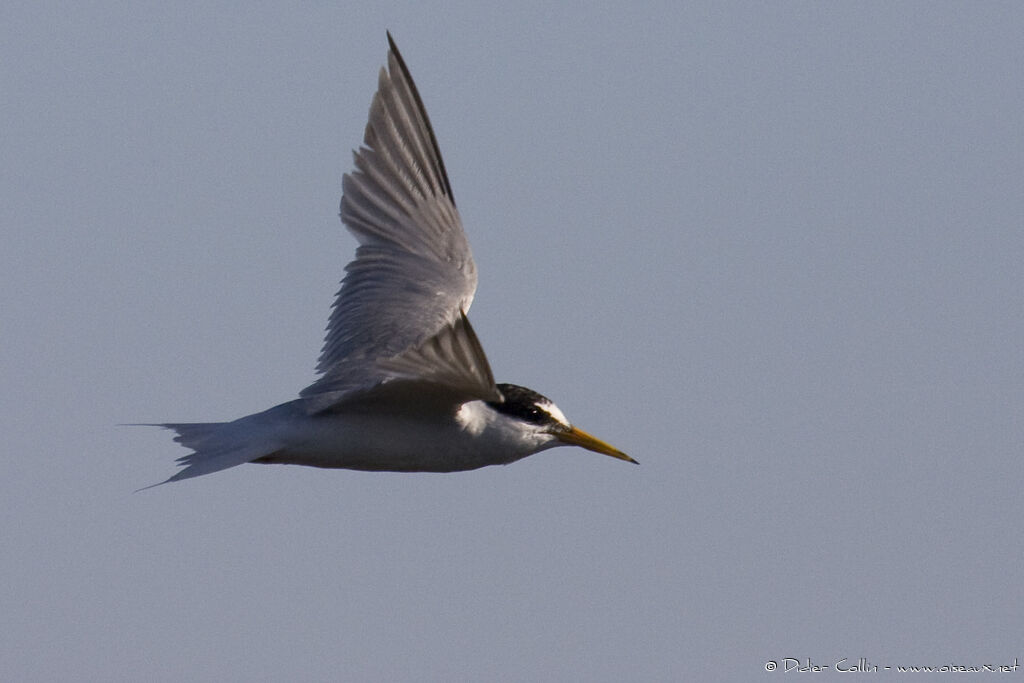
(385, 443)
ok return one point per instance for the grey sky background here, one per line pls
(773, 251)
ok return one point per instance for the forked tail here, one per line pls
(218, 445)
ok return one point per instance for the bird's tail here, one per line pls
(220, 445)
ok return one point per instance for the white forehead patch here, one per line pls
(552, 410)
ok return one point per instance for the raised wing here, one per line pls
(445, 370)
(413, 276)
(453, 358)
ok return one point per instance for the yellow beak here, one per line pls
(578, 437)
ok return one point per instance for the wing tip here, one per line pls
(407, 77)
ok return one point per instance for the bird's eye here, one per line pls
(537, 414)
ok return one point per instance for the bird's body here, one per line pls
(405, 384)
(369, 438)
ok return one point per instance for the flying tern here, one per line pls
(405, 385)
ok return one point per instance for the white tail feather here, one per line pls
(219, 445)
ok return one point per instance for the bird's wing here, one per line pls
(445, 370)
(400, 310)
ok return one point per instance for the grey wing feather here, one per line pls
(413, 275)
(452, 361)
(453, 357)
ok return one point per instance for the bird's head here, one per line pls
(540, 414)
